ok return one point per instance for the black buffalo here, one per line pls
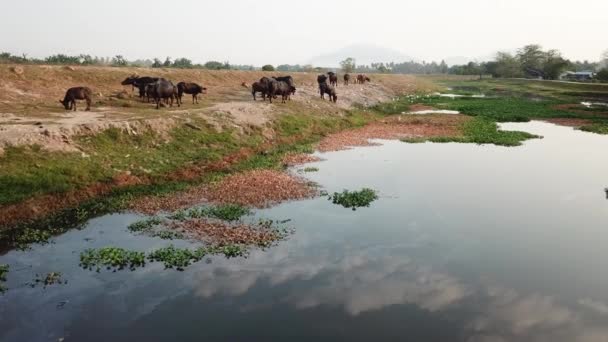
(276, 88)
(163, 90)
(333, 78)
(140, 83)
(76, 93)
(259, 87)
(190, 88)
(288, 80)
(325, 88)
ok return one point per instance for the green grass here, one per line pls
(311, 169)
(480, 130)
(354, 199)
(598, 127)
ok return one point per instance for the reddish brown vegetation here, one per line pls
(401, 127)
(293, 159)
(222, 233)
(257, 188)
(569, 122)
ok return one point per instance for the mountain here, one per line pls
(364, 54)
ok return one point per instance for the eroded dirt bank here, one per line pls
(30, 115)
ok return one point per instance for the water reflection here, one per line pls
(466, 243)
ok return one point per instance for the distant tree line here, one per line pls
(120, 61)
(530, 61)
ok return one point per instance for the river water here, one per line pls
(466, 243)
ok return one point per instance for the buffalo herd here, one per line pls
(162, 90)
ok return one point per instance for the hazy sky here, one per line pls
(276, 32)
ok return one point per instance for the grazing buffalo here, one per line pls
(288, 80)
(346, 79)
(324, 88)
(361, 79)
(140, 83)
(282, 88)
(190, 88)
(76, 93)
(258, 87)
(333, 79)
(163, 90)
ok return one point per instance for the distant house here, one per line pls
(577, 75)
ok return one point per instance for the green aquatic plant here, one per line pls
(144, 225)
(226, 212)
(480, 130)
(111, 258)
(28, 236)
(178, 258)
(3, 272)
(354, 199)
(311, 169)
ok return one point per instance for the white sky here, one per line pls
(292, 31)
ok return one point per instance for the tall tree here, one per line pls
(531, 58)
(348, 65)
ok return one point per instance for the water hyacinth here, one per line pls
(354, 199)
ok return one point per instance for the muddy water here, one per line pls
(466, 243)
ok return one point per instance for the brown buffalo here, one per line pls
(361, 79)
(76, 93)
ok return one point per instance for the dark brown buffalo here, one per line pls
(163, 90)
(276, 88)
(361, 79)
(324, 88)
(346, 79)
(321, 79)
(190, 88)
(140, 83)
(333, 79)
(258, 87)
(76, 93)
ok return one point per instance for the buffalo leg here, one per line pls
(88, 103)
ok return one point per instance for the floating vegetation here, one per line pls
(145, 225)
(49, 279)
(311, 169)
(111, 258)
(226, 212)
(27, 236)
(168, 235)
(179, 258)
(354, 199)
(3, 272)
(148, 227)
(264, 233)
(480, 130)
